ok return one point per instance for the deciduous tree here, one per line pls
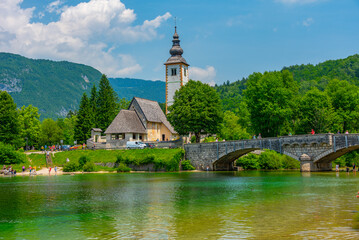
(196, 109)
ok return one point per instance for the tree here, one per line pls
(107, 104)
(29, 124)
(50, 132)
(345, 99)
(231, 129)
(93, 107)
(84, 123)
(271, 100)
(9, 120)
(197, 109)
(316, 112)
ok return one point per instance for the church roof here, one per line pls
(176, 51)
(153, 112)
(126, 121)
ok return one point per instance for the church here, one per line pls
(144, 119)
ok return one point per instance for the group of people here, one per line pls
(347, 169)
(51, 148)
(8, 170)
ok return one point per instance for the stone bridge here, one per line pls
(315, 152)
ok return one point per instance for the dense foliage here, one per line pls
(9, 121)
(8, 155)
(196, 109)
(267, 160)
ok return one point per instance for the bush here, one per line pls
(71, 167)
(193, 139)
(186, 165)
(249, 161)
(8, 155)
(83, 160)
(270, 160)
(123, 168)
(89, 167)
(290, 163)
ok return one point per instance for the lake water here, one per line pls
(202, 205)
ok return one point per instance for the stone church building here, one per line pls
(144, 120)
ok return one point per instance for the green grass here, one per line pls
(105, 156)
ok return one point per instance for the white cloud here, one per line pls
(55, 7)
(86, 33)
(205, 75)
(307, 22)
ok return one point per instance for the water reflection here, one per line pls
(180, 205)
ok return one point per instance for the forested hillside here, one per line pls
(53, 87)
(56, 87)
(307, 77)
(129, 88)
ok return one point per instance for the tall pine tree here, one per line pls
(93, 108)
(107, 104)
(83, 123)
(9, 120)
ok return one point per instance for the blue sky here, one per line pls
(222, 40)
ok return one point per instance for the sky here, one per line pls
(222, 40)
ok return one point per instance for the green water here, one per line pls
(207, 205)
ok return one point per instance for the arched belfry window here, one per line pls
(174, 71)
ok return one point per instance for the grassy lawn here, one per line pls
(102, 156)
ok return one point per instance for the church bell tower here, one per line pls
(176, 70)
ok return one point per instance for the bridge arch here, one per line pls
(320, 149)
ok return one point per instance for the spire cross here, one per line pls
(175, 24)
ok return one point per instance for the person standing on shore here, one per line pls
(354, 168)
(23, 169)
(49, 170)
(55, 170)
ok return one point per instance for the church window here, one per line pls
(174, 71)
(185, 72)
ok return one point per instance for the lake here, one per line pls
(198, 205)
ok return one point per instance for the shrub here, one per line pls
(186, 165)
(123, 168)
(89, 167)
(249, 161)
(290, 163)
(119, 159)
(270, 160)
(8, 155)
(83, 160)
(71, 167)
(193, 139)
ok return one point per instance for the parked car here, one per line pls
(65, 147)
(76, 147)
(135, 144)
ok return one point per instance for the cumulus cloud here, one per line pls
(307, 22)
(86, 33)
(205, 75)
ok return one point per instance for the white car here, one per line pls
(135, 144)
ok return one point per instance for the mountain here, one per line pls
(129, 88)
(57, 87)
(53, 87)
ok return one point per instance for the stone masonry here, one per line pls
(315, 152)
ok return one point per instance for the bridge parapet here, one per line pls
(320, 148)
